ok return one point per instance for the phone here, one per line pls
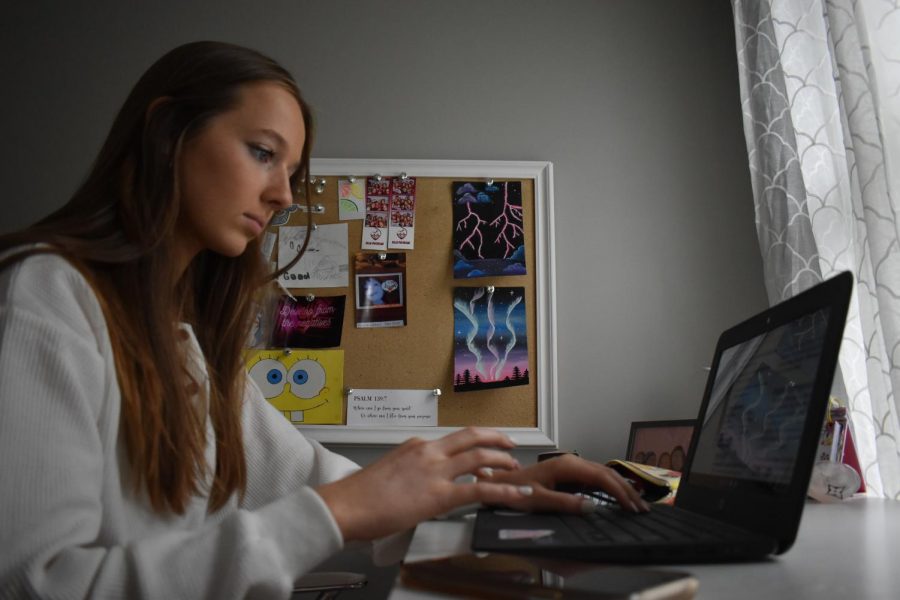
(502, 576)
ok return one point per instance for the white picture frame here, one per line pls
(545, 434)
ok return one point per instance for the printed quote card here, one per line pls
(392, 408)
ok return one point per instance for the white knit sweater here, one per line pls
(70, 526)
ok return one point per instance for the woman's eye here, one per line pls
(263, 155)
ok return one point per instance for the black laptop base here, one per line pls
(609, 535)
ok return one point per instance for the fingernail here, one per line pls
(485, 472)
(587, 507)
(526, 490)
(645, 505)
(634, 507)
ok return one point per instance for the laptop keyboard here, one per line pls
(662, 524)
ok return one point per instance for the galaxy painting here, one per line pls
(490, 340)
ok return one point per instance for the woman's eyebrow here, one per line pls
(277, 137)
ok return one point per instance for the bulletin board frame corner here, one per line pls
(545, 434)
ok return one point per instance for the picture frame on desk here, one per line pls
(660, 443)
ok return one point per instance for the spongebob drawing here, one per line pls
(305, 385)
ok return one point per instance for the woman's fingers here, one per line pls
(543, 499)
(573, 470)
(623, 492)
(460, 453)
(525, 497)
(602, 477)
(480, 460)
(470, 437)
(506, 494)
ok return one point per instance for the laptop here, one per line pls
(745, 480)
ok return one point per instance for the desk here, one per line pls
(847, 550)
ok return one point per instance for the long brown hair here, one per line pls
(117, 229)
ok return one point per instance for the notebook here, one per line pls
(744, 484)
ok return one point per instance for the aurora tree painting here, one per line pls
(490, 341)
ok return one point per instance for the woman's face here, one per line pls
(235, 173)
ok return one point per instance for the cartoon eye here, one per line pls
(307, 378)
(269, 376)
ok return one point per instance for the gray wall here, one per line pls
(634, 101)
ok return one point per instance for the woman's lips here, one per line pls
(255, 222)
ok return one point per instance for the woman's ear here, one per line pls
(157, 130)
(154, 105)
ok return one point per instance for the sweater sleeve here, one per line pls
(280, 459)
(61, 523)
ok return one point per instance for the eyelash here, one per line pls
(263, 155)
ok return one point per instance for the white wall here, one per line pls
(634, 101)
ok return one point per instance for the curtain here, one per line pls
(820, 93)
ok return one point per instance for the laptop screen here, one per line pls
(759, 403)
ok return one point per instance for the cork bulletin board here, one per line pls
(419, 355)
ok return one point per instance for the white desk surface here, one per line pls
(846, 550)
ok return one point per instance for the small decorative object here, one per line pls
(660, 443)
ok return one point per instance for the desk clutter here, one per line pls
(656, 484)
(836, 474)
(649, 467)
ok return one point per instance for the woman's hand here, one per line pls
(415, 482)
(567, 468)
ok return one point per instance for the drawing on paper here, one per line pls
(351, 199)
(305, 385)
(324, 264)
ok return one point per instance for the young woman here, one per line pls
(138, 460)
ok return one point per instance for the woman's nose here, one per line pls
(280, 193)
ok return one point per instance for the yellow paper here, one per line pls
(305, 385)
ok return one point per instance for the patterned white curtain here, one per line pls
(820, 88)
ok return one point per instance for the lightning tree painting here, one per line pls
(488, 232)
(490, 342)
